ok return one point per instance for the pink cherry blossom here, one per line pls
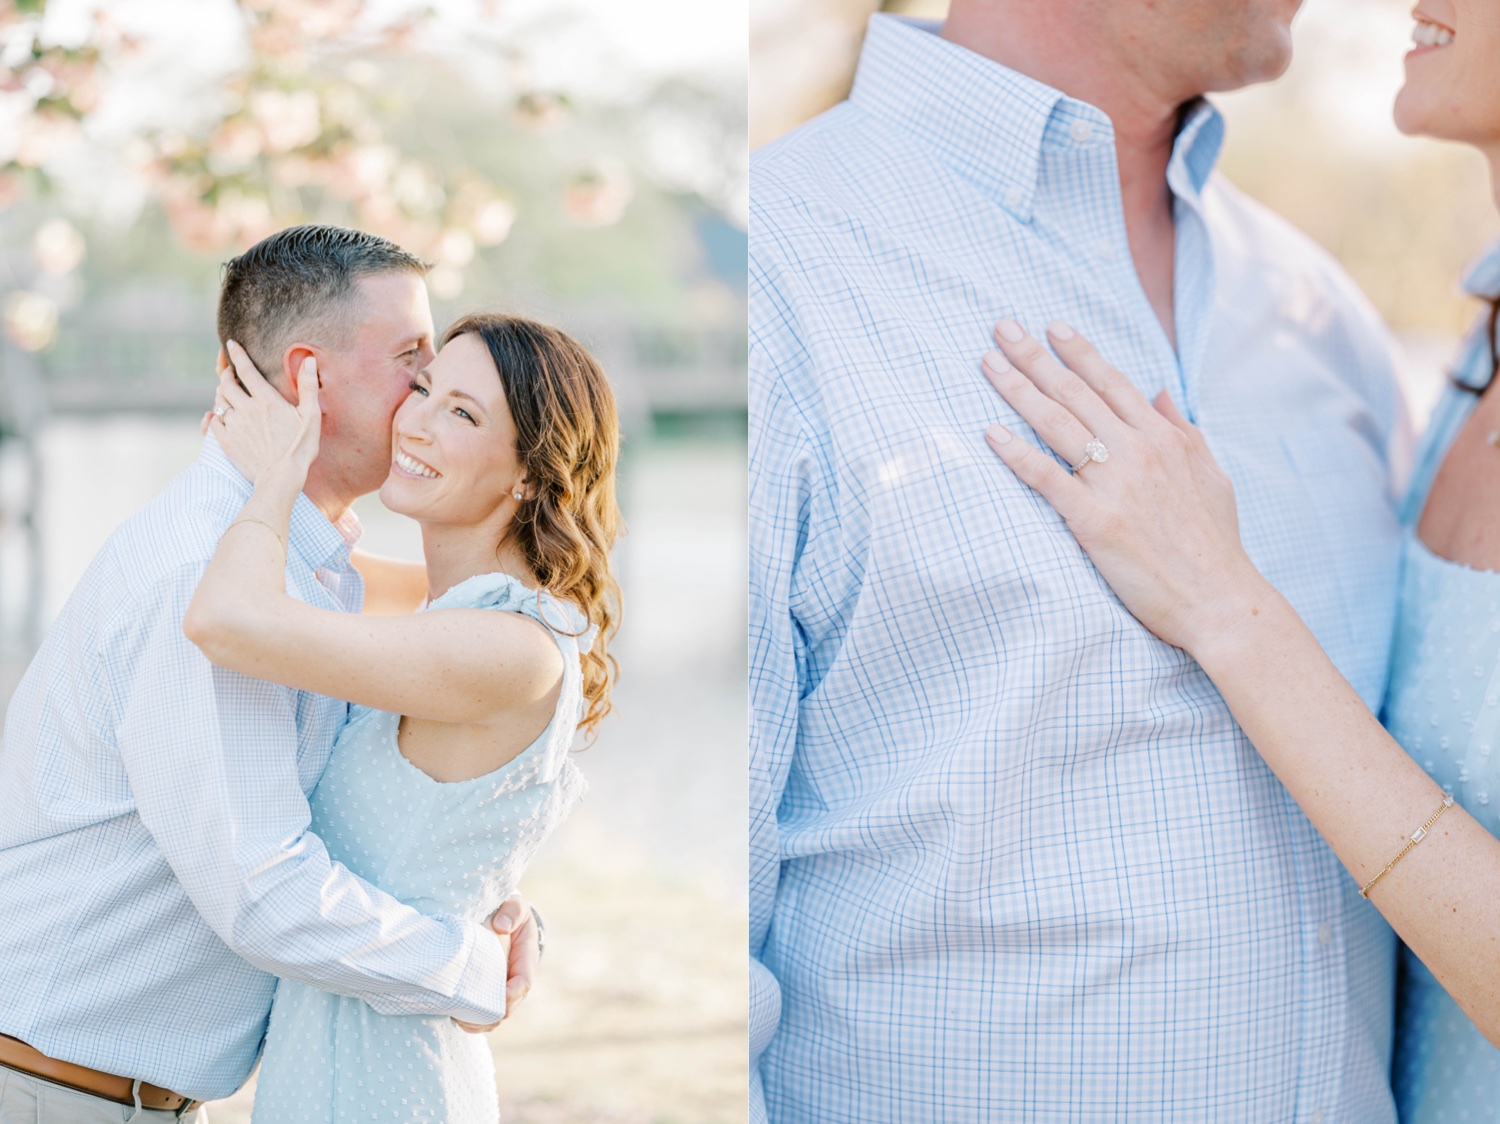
(597, 196)
(58, 246)
(30, 319)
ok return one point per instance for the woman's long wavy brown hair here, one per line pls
(568, 440)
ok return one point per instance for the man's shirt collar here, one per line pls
(993, 125)
(318, 542)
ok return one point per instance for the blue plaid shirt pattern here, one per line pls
(156, 869)
(1011, 857)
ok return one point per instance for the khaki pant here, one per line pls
(25, 1099)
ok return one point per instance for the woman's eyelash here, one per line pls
(459, 410)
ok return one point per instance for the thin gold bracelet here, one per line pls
(1416, 837)
(268, 526)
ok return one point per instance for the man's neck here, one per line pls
(328, 499)
(1145, 125)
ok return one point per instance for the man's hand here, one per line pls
(515, 924)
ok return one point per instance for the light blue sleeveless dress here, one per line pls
(455, 848)
(1443, 706)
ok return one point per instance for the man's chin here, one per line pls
(1263, 60)
(1281, 58)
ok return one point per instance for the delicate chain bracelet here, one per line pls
(252, 519)
(1416, 837)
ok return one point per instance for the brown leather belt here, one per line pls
(17, 1055)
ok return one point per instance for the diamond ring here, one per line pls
(222, 410)
(1093, 451)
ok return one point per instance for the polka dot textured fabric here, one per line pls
(1444, 707)
(454, 848)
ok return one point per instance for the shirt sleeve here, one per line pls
(210, 756)
(784, 486)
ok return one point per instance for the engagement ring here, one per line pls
(222, 410)
(1093, 451)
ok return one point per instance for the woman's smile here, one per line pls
(1429, 35)
(409, 465)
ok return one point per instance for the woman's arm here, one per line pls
(456, 665)
(393, 587)
(1158, 519)
(1366, 796)
(451, 665)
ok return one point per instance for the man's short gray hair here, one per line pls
(300, 284)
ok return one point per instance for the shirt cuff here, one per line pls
(480, 995)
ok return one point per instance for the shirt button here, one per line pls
(1325, 933)
(1081, 132)
(1014, 197)
(1104, 250)
(1316, 1117)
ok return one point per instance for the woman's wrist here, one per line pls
(1251, 611)
(282, 477)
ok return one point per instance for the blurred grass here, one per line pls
(640, 1017)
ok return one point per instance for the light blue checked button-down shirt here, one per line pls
(155, 863)
(1012, 859)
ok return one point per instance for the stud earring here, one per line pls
(517, 494)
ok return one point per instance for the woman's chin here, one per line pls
(1445, 106)
(1412, 116)
(394, 497)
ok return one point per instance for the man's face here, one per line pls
(1183, 48)
(364, 382)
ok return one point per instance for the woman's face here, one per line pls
(1452, 89)
(453, 448)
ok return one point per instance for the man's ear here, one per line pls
(291, 363)
(222, 361)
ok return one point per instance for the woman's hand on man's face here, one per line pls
(258, 428)
(1152, 507)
